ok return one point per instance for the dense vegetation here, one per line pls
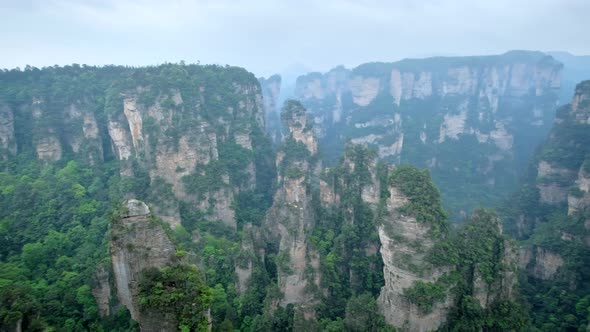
(424, 198)
(561, 301)
(55, 217)
(52, 237)
(54, 223)
(473, 166)
(344, 236)
(478, 257)
(178, 290)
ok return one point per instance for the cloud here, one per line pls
(266, 36)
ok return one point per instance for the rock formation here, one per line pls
(167, 128)
(271, 91)
(7, 139)
(550, 211)
(139, 243)
(562, 166)
(425, 111)
(291, 218)
(404, 243)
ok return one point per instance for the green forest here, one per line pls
(57, 214)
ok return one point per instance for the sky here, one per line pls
(270, 36)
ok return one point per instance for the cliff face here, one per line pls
(429, 273)
(404, 244)
(70, 128)
(371, 220)
(271, 91)
(291, 219)
(562, 165)
(550, 212)
(179, 129)
(139, 243)
(176, 140)
(429, 112)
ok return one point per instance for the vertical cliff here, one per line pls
(561, 165)
(473, 121)
(291, 218)
(431, 273)
(271, 91)
(139, 243)
(193, 134)
(404, 244)
(550, 215)
(7, 139)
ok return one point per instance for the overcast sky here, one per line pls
(268, 36)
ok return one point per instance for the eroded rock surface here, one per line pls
(139, 243)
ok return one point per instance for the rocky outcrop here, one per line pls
(102, 291)
(295, 119)
(170, 126)
(415, 110)
(49, 148)
(139, 243)
(84, 137)
(140, 132)
(271, 91)
(562, 171)
(120, 139)
(61, 131)
(404, 242)
(7, 139)
(552, 209)
(578, 197)
(505, 285)
(364, 90)
(581, 103)
(546, 264)
(291, 218)
(540, 263)
(552, 182)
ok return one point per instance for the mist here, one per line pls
(268, 37)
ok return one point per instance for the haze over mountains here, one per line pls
(188, 176)
(267, 36)
(357, 166)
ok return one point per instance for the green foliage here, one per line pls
(424, 198)
(206, 178)
(480, 243)
(504, 315)
(362, 314)
(54, 216)
(344, 237)
(233, 161)
(250, 208)
(291, 109)
(556, 304)
(294, 151)
(425, 294)
(478, 248)
(568, 143)
(53, 223)
(179, 290)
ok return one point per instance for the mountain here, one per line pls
(154, 199)
(576, 68)
(77, 141)
(549, 215)
(473, 121)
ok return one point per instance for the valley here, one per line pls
(445, 193)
